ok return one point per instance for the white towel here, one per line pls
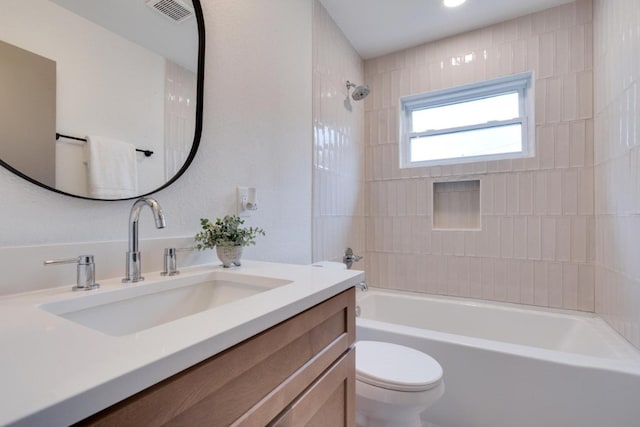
(111, 168)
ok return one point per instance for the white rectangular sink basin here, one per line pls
(146, 305)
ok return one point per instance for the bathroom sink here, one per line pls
(136, 308)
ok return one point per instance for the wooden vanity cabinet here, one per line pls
(299, 372)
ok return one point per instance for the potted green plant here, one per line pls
(228, 237)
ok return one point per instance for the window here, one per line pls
(483, 121)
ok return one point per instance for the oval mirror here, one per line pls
(100, 99)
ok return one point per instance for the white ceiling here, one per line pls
(378, 27)
(140, 24)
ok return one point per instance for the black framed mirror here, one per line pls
(101, 100)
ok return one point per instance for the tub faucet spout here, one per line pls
(134, 262)
(362, 286)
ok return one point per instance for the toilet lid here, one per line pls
(396, 367)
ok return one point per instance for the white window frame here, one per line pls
(521, 83)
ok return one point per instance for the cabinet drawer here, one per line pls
(250, 383)
(330, 401)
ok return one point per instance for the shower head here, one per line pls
(360, 92)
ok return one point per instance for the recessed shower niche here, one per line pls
(456, 205)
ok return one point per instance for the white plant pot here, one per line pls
(229, 255)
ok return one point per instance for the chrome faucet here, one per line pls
(362, 286)
(171, 261)
(134, 262)
(85, 271)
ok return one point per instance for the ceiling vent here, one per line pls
(176, 10)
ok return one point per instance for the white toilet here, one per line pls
(394, 384)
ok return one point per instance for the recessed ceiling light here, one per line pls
(453, 3)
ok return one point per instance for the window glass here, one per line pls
(476, 142)
(499, 107)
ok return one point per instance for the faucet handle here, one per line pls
(86, 271)
(349, 258)
(171, 260)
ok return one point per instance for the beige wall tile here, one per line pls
(534, 237)
(562, 51)
(554, 277)
(563, 143)
(563, 239)
(525, 194)
(586, 281)
(526, 282)
(554, 99)
(578, 144)
(499, 194)
(520, 237)
(585, 94)
(513, 281)
(554, 192)
(570, 286)
(512, 194)
(546, 146)
(570, 192)
(487, 279)
(579, 239)
(548, 238)
(547, 56)
(540, 193)
(540, 284)
(506, 234)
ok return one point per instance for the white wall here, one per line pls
(257, 132)
(96, 92)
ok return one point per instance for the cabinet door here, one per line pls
(330, 401)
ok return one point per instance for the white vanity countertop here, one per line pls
(55, 372)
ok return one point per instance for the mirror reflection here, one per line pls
(98, 98)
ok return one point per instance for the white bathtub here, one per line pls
(509, 365)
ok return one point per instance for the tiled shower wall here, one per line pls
(338, 147)
(536, 243)
(617, 164)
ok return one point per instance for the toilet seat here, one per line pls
(396, 367)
